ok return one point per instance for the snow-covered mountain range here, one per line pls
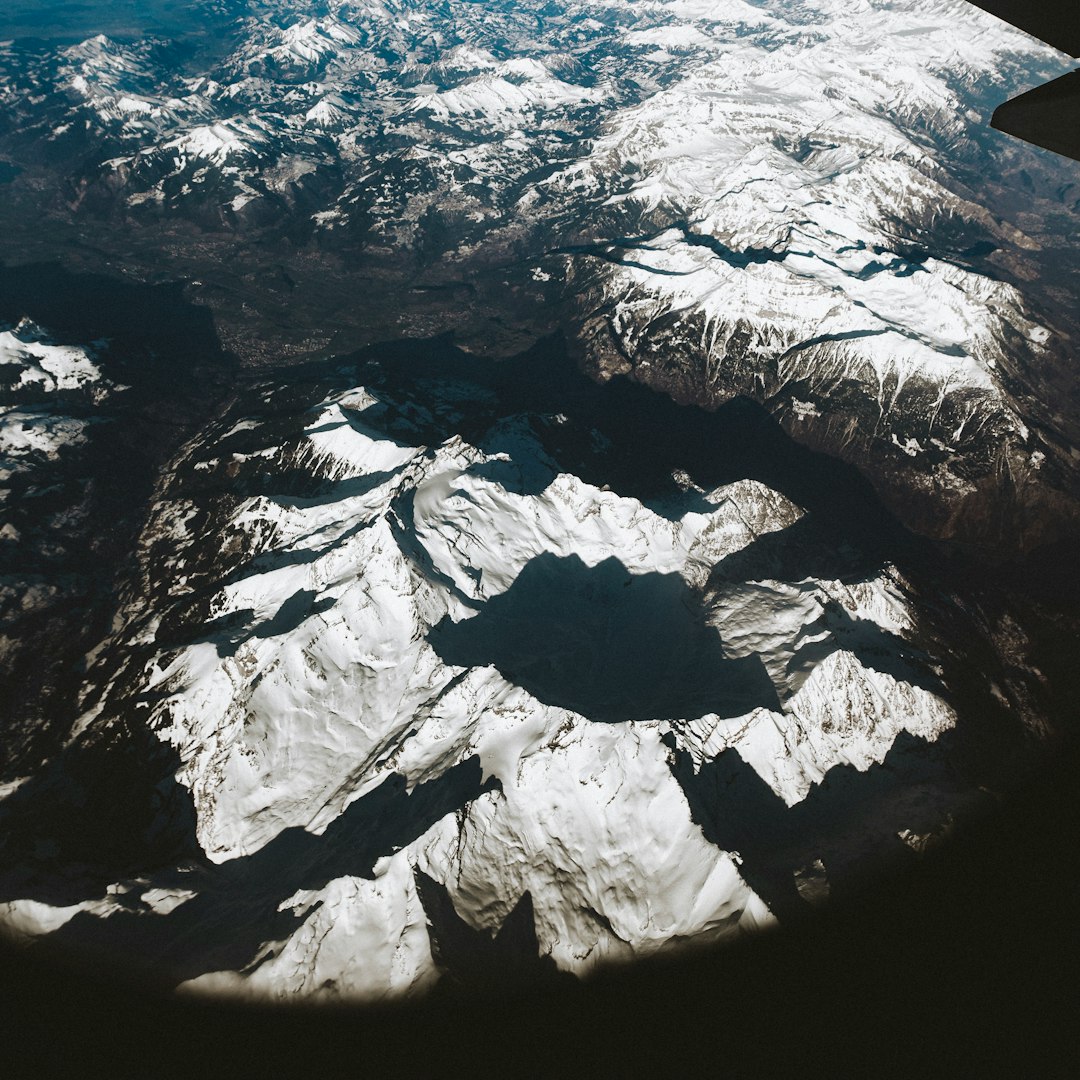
(425, 660)
(432, 662)
(780, 201)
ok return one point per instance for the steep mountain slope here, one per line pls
(802, 235)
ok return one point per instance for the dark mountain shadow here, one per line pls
(806, 548)
(620, 433)
(606, 643)
(231, 631)
(528, 477)
(324, 494)
(738, 812)
(850, 820)
(475, 960)
(276, 558)
(104, 809)
(235, 911)
(874, 647)
(166, 353)
(631, 438)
